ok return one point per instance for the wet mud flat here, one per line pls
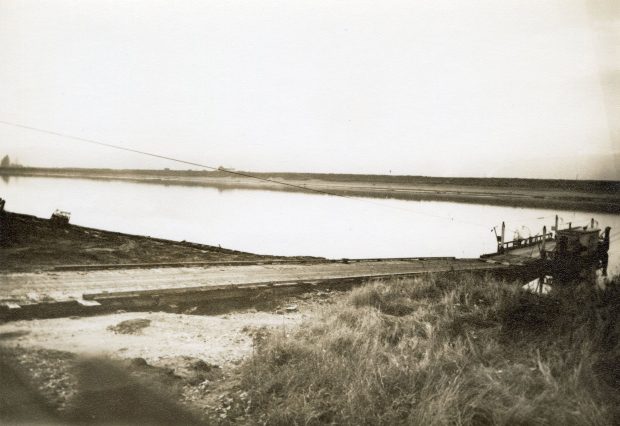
(32, 244)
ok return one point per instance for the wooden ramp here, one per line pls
(88, 288)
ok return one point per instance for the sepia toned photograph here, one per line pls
(309, 212)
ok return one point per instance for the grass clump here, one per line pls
(451, 349)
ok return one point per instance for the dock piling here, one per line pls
(501, 244)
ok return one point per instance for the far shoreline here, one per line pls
(578, 195)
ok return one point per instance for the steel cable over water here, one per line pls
(232, 172)
(251, 176)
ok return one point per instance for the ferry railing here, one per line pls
(524, 242)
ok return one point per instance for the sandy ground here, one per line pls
(221, 340)
(188, 360)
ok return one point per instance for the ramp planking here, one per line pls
(62, 286)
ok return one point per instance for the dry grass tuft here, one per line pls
(445, 350)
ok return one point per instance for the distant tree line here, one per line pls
(6, 162)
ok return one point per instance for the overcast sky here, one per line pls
(525, 88)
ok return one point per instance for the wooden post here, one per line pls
(544, 238)
(501, 247)
(592, 223)
(556, 225)
(570, 225)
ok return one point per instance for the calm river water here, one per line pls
(284, 223)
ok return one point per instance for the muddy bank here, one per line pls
(595, 196)
(29, 244)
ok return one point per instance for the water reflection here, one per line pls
(285, 223)
(594, 275)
